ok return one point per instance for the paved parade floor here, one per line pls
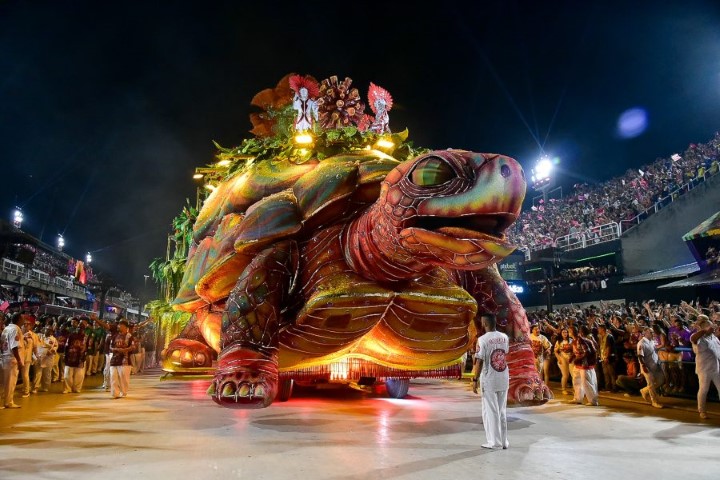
(171, 430)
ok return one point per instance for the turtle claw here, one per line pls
(183, 355)
(529, 391)
(245, 379)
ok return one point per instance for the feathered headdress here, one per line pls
(375, 93)
(298, 81)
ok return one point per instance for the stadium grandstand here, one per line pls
(626, 239)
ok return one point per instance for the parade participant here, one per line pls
(111, 331)
(31, 353)
(706, 346)
(584, 358)
(563, 352)
(606, 344)
(541, 347)
(650, 367)
(381, 103)
(75, 352)
(61, 334)
(47, 349)
(494, 379)
(11, 356)
(306, 91)
(96, 335)
(122, 347)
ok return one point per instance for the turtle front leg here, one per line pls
(494, 296)
(247, 373)
(193, 351)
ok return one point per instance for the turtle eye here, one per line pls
(431, 171)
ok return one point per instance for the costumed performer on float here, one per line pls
(381, 103)
(306, 91)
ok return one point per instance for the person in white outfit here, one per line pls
(650, 367)
(494, 380)
(11, 356)
(706, 346)
(46, 355)
(31, 344)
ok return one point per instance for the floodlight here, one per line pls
(17, 217)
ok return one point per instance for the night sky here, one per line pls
(106, 108)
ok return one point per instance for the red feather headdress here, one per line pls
(298, 81)
(375, 92)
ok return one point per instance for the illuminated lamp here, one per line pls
(384, 143)
(17, 217)
(303, 138)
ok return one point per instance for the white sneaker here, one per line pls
(490, 447)
(656, 405)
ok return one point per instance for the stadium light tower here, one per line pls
(17, 217)
(541, 176)
(88, 258)
(60, 242)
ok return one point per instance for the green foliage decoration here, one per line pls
(170, 323)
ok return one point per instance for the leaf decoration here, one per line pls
(270, 101)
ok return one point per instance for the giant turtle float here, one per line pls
(358, 269)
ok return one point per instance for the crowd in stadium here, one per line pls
(623, 199)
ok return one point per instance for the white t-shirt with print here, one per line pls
(492, 349)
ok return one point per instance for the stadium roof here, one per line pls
(711, 277)
(674, 272)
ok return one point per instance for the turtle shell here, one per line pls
(269, 201)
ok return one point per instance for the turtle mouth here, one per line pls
(472, 226)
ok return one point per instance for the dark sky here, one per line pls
(106, 108)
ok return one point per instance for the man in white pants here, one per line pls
(122, 347)
(494, 380)
(11, 357)
(707, 360)
(650, 367)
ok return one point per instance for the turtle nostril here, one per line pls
(505, 171)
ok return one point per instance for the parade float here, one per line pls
(333, 251)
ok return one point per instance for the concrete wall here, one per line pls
(656, 243)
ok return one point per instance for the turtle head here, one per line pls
(452, 207)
